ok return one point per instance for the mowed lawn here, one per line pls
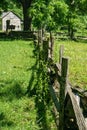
(16, 57)
(17, 110)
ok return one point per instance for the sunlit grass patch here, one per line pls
(77, 53)
(17, 110)
(15, 59)
(18, 71)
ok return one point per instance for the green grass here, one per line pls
(77, 54)
(17, 110)
(15, 57)
(18, 115)
(17, 66)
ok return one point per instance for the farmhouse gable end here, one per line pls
(14, 20)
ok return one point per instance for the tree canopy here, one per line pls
(3, 5)
(48, 13)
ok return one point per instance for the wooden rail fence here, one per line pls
(70, 102)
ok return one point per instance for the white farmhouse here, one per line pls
(12, 20)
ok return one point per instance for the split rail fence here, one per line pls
(70, 102)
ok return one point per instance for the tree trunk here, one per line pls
(72, 34)
(70, 31)
(26, 4)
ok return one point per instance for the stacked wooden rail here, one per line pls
(71, 104)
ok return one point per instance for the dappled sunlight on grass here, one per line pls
(20, 74)
(17, 111)
(18, 67)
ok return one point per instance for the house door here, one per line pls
(7, 25)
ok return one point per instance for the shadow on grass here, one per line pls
(4, 121)
(11, 90)
(37, 88)
(19, 35)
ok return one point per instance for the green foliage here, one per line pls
(60, 12)
(39, 87)
(3, 5)
(48, 14)
(74, 15)
(39, 11)
(82, 6)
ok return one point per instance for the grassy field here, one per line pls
(17, 62)
(17, 110)
(77, 54)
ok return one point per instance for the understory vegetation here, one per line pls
(23, 104)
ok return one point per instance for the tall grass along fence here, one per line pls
(70, 102)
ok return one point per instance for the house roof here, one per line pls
(4, 14)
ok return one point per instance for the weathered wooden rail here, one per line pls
(70, 102)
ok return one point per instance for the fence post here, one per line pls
(61, 51)
(40, 39)
(63, 83)
(45, 50)
(51, 45)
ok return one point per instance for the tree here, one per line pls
(27, 18)
(26, 4)
(82, 6)
(52, 14)
(49, 14)
(60, 13)
(40, 12)
(3, 5)
(76, 11)
(71, 15)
